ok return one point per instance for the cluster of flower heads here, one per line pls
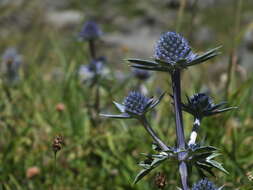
(205, 184)
(10, 65)
(90, 31)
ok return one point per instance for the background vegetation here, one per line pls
(49, 98)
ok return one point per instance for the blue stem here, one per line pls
(175, 77)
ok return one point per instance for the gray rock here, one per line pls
(62, 19)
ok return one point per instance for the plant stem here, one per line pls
(153, 134)
(194, 133)
(176, 86)
(92, 49)
(233, 57)
(54, 170)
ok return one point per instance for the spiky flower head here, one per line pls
(134, 105)
(201, 105)
(90, 31)
(204, 184)
(141, 74)
(172, 52)
(172, 47)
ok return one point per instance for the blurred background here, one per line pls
(47, 90)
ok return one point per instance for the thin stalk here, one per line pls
(54, 178)
(92, 49)
(176, 86)
(233, 57)
(153, 134)
(180, 14)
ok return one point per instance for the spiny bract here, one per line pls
(172, 47)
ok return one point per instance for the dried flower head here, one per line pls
(200, 105)
(204, 184)
(160, 180)
(60, 107)
(57, 143)
(90, 31)
(134, 105)
(172, 47)
(32, 172)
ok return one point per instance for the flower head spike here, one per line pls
(205, 184)
(135, 105)
(172, 52)
(90, 31)
(172, 47)
(200, 105)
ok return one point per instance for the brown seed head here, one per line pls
(57, 143)
(160, 180)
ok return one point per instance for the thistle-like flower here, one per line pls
(172, 47)
(141, 74)
(172, 52)
(90, 31)
(93, 69)
(205, 184)
(135, 105)
(200, 105)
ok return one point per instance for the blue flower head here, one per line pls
(200, 105)
(93, 69)
(141, 74)
(172, 52)
(11, 62)
(135, 105)
(204, 184)
(172, 47)
(90, 31)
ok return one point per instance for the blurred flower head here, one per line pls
(90, 31)
(93, 69)
(141, 74)
(200, 105)
(57, 143)
(32, 172)
(135, 105)
(10, 65)
(172, 47)
(204, 184)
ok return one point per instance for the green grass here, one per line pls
(103, 156)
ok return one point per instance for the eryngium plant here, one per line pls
(173, 54)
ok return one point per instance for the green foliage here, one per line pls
(102, 157)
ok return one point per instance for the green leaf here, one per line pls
(142, 62)
(156, 162)
(141, 174)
